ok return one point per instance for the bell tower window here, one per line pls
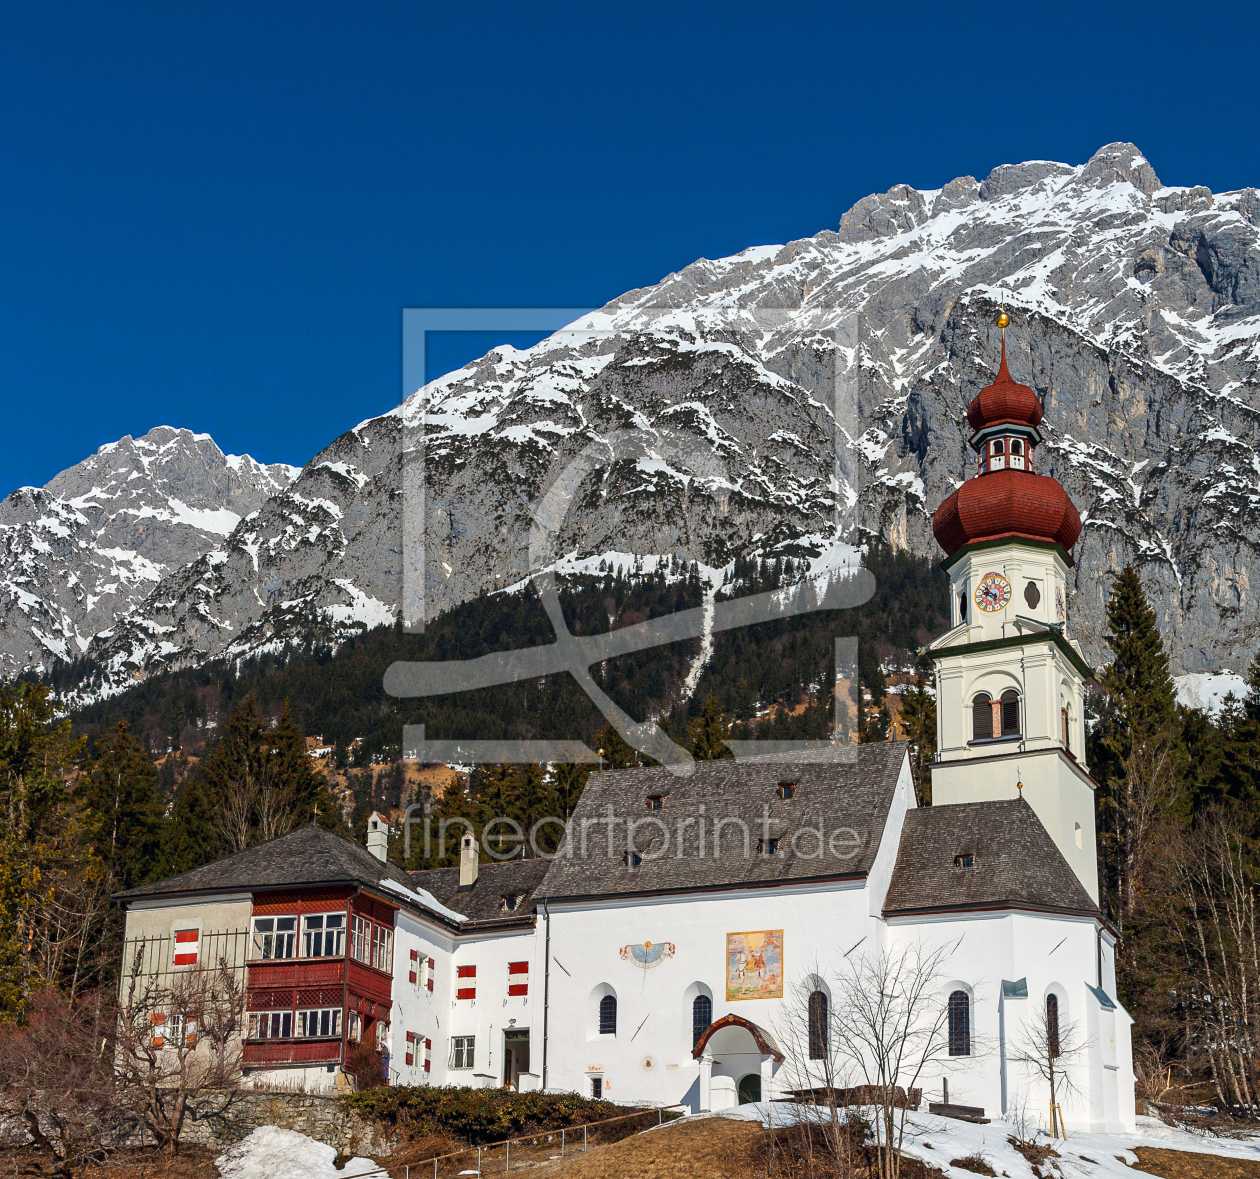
(1017, 454)
(982, 717)
(997, 454)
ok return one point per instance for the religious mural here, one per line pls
(754, 965)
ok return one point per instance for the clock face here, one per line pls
(993, 592)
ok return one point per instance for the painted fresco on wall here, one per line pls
(754, 965)
(648, 954)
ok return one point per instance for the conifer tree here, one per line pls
(918, 718)
(707, 733)
(120, 790)
(614, 751)
(1239, 728)
(1139, 731)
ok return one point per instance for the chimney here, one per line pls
(378, 835)
(469, 862)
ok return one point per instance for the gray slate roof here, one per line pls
(483, 902)
(309, 855)
(1016, 863)
(854, 796)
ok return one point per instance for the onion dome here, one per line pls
(1006, 498)
(1005, 401)
(1007, 503)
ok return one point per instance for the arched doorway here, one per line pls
(750, 1088)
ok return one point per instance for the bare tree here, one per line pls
(233, 816)
(813, 1067)
(1222, 952)
(179, 1035)
(1047, 1047)
(57, 1076)
(890, 1024)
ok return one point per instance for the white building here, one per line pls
(686, 921)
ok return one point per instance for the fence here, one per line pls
(527, 1150)
(156, 955)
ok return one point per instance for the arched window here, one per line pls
(608, 1015)
(701, 1017)
(998, 446)
(1017, 447)
(1010, 713)
(1052, 1024)
(982, 713)
(959, 1024)
(1067, 729)
(818, 1026)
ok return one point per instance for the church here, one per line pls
(665, 954)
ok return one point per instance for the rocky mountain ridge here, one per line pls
(750, 403)
(94, 542)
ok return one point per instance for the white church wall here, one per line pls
(880, 875)
(1052, 953)
(649, 1058)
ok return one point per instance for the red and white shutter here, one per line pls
(468, 991)
(518, 978)
(157, 1023)
(415, 966)
(411, 1045)
(186, 943)
(428, 1055)
(429, 981)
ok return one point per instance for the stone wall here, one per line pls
(220, 1119)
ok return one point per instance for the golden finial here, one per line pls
(1019, 785)
(1003, 320)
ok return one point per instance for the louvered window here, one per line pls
(982, 712)
(1010, 713)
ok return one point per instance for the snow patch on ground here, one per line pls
(1207, 690)
(272, 1153)
(936, 1140)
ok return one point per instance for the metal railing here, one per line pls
(490, 1154)
(157, 953)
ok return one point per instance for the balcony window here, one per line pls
(274, 937)
(270, 1025)
(326, 1021)
(324, 935)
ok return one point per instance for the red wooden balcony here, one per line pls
(280, 1052)
(276, 973)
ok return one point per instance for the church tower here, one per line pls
(1009, 682)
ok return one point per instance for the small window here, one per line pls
(1010, 713)
(998, 446)
(608, 1015)
(982, 717)
(510, 902)
(818, 1030)
(597, 1088)
(1067, 730)
(966, 860)
(1017, 447)
(1032, 595)
(767, 847)
(323, 934)
(959, 1024)
(787, 789)
(962, 607)
(655, 802)
(701, 1017)
(462, 1051)
(632, 859)
(274, 937)
(1053, 1046)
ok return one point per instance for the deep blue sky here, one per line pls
(211, 215)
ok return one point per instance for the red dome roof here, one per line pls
(1007, 503)
(1004, 401)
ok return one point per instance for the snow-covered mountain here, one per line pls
(96, 540)
(1136, 315)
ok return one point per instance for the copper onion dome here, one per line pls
(1006, 503)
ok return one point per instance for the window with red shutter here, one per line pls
(467, 972)
(410, 1057)
(415, 965)
(518, 968)
(429, 981)
(428, 1054)
(186, 941)
(518, 978)
(466, 993)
